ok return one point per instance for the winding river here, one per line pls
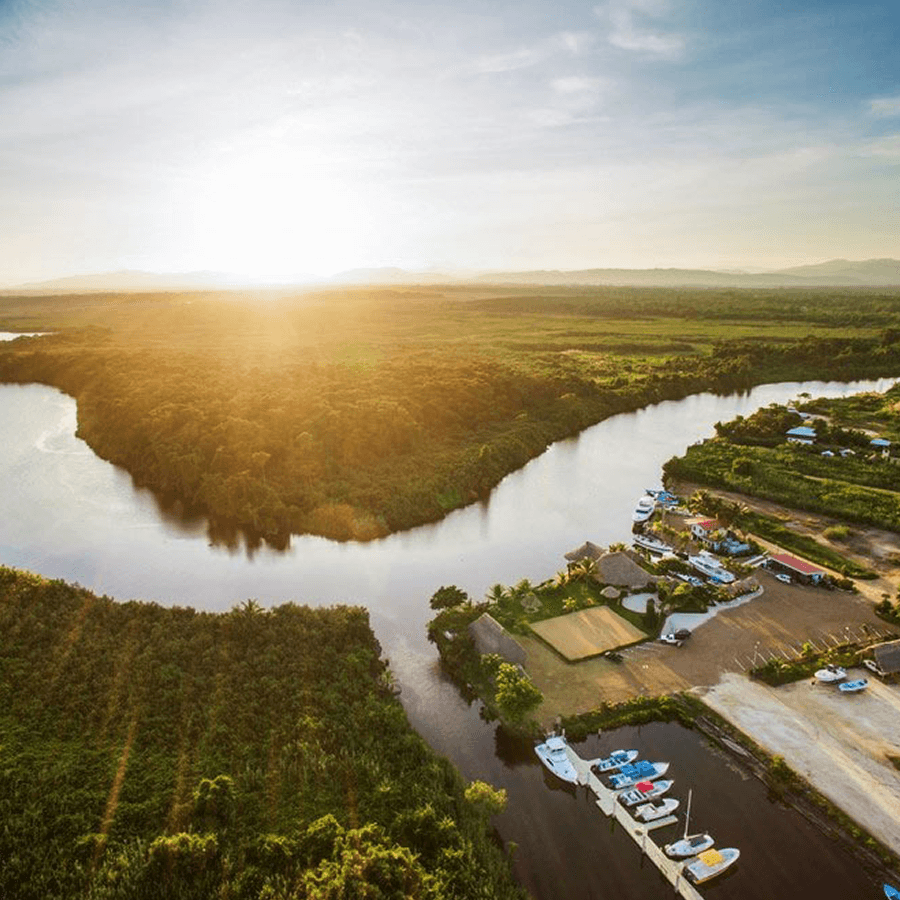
(68, 514)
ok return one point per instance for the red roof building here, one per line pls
(796, 568)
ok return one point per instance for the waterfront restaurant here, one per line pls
(798, 569)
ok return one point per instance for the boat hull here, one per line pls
(552, 753)
(699, 872)
(689, 846)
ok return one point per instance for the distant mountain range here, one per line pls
(834, 273)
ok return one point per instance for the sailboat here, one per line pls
(690, 844)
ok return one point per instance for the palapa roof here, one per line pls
(610, 592)
(887, 656)
(619, 568)
(491, 637)
(587, 550)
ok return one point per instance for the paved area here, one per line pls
(840, 743)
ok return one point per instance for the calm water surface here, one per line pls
(68, 514)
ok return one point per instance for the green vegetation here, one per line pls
(355, 413)
(164, 753)
(752, 456)
(782, 671)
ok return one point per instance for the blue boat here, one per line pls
(891, 892)
(629, 776)
(851, 687)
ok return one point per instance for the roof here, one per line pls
(619, 568)
(802, 431)
(708, 524)
(587, 550)
(798, 565)
(888, 657)
(491, 637)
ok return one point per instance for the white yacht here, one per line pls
(552, 753)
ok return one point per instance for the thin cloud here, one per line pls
(634, 26)
(885, 106)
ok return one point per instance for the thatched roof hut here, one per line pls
(620, 569)
(491, 637)
(587, 550)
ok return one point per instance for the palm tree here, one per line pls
(497, 593)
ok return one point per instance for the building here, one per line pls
(716, 538)
(798, 569)
(802, 434)
(886, 659)
(491, 637)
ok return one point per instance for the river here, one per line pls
(70, 515)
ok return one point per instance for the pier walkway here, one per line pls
(606, 800)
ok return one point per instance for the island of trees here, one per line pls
(352, 414)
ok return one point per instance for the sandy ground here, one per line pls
(587, 632)
(838, 742)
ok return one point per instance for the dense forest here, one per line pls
(166, 753)
(840, 475)
(356, 413)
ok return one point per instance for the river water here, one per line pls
(70, 515)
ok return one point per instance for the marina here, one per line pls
(672, 870)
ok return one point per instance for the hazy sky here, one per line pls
(275, 138)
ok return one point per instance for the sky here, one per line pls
(277, 139)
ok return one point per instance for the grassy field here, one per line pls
(354, 413)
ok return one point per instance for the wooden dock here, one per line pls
(609, 805)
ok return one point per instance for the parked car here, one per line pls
(781, 576)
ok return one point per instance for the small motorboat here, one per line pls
(629, 775)
(690, 844)
(891, 892)
(831, 674)
(853, 687)
(656, 809)
(552, 753)
(615, 760)
(710, 863)
(644, 791)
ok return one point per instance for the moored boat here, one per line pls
(656, 809)
(648, 542)
(830, 674)
(628, 776)
(710, 863)
(690, 844)
(644, 509)
(552, 753)
(644, 791)
(852, 687)
(615, 760)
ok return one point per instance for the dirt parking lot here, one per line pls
(777, 622)
(838, 742)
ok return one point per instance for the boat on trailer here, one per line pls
(628, 776)
(615, 760)
(830, 674)
(853, 687)
(644, 791)
(552, 753)
(690, 844)
(710, 863)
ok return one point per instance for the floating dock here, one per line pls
(672, 869)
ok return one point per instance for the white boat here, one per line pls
(552, 753)
(656, 809)
(648, 542)
(710, 863)
(615, 760)
(690, 844)
(644, 791)
(644, 509)
(709, 566)
(830, 674)
(628, 776)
